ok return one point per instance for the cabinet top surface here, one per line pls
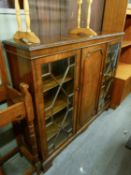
(58, 41)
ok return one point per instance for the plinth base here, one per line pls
(83, 31)
(29, 36)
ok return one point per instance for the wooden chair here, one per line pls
(20, 109)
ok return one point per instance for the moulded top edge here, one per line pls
(58, 41)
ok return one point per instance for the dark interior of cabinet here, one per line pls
(60, 16)
(58, 95)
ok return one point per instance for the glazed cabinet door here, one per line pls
(91, 70)
(59, 85)
(109, 70)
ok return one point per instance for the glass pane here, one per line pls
(109, 70)
(58, 94)
(113, 52)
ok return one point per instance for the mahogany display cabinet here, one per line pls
(70, 80)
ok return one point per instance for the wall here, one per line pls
(8, 25)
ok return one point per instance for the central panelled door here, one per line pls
(91, 73)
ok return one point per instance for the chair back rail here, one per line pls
(11, 114)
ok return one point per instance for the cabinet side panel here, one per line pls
(20, 70)
(114, 16)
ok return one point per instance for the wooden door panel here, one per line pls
(92, 61)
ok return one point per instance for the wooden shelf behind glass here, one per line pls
(53, 129)
(50, 83)
(60, 104)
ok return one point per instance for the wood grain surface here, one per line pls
(57, 17)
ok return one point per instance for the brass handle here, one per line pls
(78, 89)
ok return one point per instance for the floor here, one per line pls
(99, 150)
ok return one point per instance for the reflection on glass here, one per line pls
(58, 93)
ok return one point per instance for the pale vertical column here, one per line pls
(27, 15)
(18, 18)
(79, 13)
(89, 3)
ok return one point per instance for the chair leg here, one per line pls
(6, 157)
(33, 143)
(32, 138)
(18, 135)
(30, 171)
(2, 171)
(30, 123)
